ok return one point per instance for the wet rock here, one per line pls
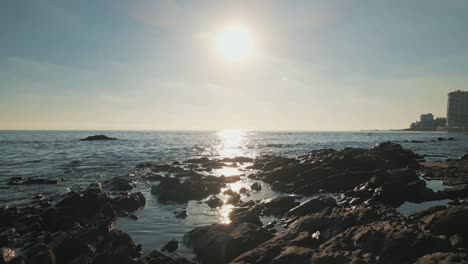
(450, 221)
(332, 221)
(182, 214)
(285, 247)
(234, 199)
(7, 237)
(222, 243)
(229, 192)
(443, 257)
(459, 191)
(171, 246)
(120, 184)
(40, 254)
(279, 205)
(117, 247)
(313, 205)
(392, 187)
(157, 256)
(130, 202)
(214, 202)
(379, 242)
(133, 217)
(243, 190)
(171, 189)
(97, 137)
(31, 181)
(256, 186)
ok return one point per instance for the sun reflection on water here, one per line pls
(232, 143)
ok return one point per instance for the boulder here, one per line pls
(130, 202)
(214, 202)
(171, 189)
(219, 243)
(313, 205)
(256, 186)
(171, 246)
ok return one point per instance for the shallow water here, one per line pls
(59, 155)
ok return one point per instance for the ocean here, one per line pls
(60, 155)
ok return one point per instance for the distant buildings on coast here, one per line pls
(457, 116)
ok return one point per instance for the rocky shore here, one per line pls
(332, 207)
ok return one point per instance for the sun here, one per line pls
(235, 43)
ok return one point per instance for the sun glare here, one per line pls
(235, 43)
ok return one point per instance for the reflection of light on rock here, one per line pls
(232, 143)
(224, 212)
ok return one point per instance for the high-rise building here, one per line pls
(427, 121)
(457, 110)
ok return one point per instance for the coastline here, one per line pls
(366, 187)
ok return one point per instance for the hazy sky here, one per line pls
(315, 65)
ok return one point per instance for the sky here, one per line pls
(155, 65)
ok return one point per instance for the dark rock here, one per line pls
(229, 192)
(32, 181)
(443, 257)
(222, 243)
(214, 202)
(182, 214)
(120, 184)
(279, 205)
(313, 205)
(97, 137)
(171, 246)
(171, 189)
(243, 190)
(285, 247)
(7, 237)
(234, 199)
(133, 216)
(382, 242)
(117, 247)
(256, 186)
(130, 202)
(449, 222)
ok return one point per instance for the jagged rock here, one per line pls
(117, 247)
(313, 205)
(171, 246)
(130, 202)
(222, 243)
(379, 242)
(120, 184)
(450, 221)
(443, 257)
(277, 206)
(286, 247)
